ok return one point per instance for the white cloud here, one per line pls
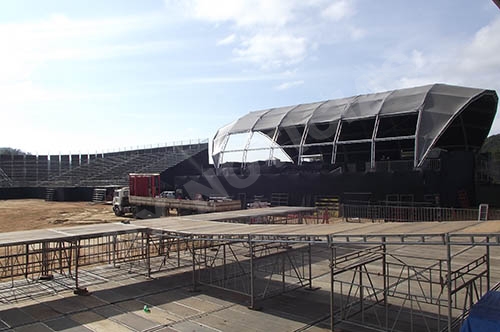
(246, 13)
(482, 54)
(339, 10)
(276, 33)
(39, 40)
(58, 28)
(288, 85)
(357, 33)
(28, 92)
(418, 59)
(242, 78)
(106, 51)
(473, 63)
(227, 40)
(27, 46)
(273, 51)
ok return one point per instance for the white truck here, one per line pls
(144, 200)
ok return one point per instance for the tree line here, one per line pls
(13, 152)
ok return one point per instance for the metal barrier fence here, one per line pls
(406, 213)
(493, 214)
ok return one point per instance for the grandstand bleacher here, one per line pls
(100, 169)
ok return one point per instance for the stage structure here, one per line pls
(406, 124)
(391, 276)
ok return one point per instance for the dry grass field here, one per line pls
(24, 214)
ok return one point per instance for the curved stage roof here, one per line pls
(437, 115)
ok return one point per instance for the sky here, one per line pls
(97, 76)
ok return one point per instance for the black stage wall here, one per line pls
(22, 193)
(73, 194)
(451, 183)
(191, 166)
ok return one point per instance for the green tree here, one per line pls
(12, 152)
(492, 145)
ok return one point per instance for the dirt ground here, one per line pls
(24, 214)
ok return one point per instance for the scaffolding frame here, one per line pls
(441, 284)
(374, 282)
(40, 260)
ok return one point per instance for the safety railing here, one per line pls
(405, 213)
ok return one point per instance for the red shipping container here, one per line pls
(144, 185)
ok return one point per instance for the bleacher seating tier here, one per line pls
(100, 169)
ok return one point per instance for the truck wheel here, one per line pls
(117, 211)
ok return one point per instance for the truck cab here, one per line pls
(121, 201)
(141, 185)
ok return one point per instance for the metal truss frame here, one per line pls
(257, 267)
(373, 282)
(53, 259)
(397, 290)
(297, 217)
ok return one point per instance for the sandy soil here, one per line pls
(23, 214)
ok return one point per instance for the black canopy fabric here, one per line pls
(436, 107)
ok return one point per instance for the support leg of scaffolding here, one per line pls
(148, 256)
(78, 289)
(386, 283)
(252, 276)
(488, 285)
(332, 281)
(448, 281)
(195, 282)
